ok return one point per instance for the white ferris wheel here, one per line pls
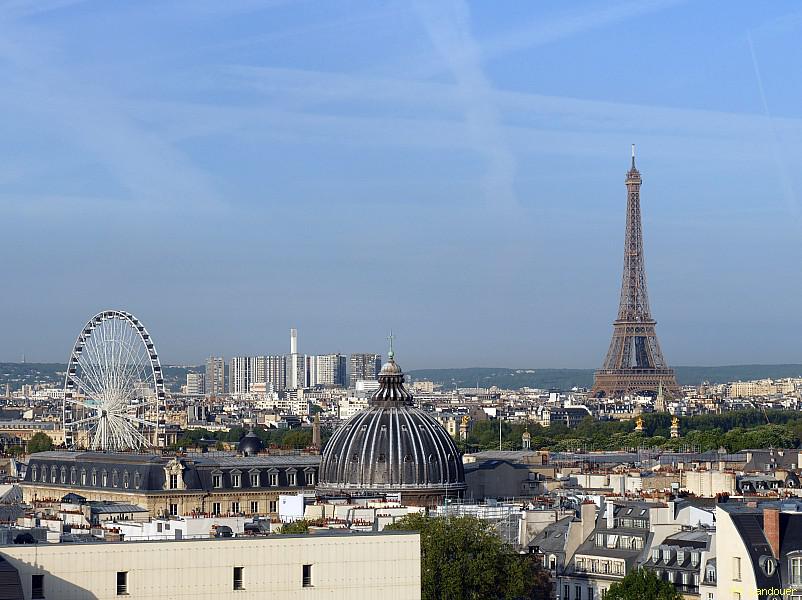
(114, 388)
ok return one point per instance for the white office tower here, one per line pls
(270, 370)
(195, 384)
(239, 375)
(296, 365)
(363, 367)
(328, 370)
(215, 384)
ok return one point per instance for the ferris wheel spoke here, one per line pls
(140, 421)
(89, 388)
(86, 420)
(90, 373)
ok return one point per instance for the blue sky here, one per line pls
(453, 171)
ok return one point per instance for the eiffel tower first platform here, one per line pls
(634, 363)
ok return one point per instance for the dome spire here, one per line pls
(391, 380)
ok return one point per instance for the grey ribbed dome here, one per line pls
(391, 446)
(250, 444)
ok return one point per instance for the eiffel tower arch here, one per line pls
(634, 362)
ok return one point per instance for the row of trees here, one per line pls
(732, 431)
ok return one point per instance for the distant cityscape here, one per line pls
(312, 462)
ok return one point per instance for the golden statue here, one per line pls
(639, 424)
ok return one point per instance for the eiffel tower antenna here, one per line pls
(634, 363)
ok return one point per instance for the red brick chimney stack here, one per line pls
(771, 527)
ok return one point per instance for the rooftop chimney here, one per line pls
(609, 512)
(587, 514)
(771, 527)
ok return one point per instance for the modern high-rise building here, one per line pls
(328, 370)
(270, 369)
(363, 366)
(215, 380)
(239, 375)
(296, 365)
(195, 384)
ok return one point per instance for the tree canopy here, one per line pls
(642, 585)
(300, 526)
(734, 431)
(463, 559)
(39, 442)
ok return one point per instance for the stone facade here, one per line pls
(209, 483)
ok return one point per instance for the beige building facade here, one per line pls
(308, 567)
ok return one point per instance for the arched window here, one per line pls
(34, 473)
(83, 476)
(73, 475)
(115, 479)
(53, 474)
(94, 477)
(125, 479)
(104, 478)
(63, 474)
(137, 480)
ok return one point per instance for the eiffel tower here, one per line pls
(634, 363)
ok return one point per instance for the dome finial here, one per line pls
(391, 353)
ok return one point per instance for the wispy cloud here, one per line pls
(541, 32)
(448, 25)
(153, 171)
(311, 99)
(782, 171)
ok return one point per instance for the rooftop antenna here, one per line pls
(391, 353)
(633, 156)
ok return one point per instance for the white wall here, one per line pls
(350, 566)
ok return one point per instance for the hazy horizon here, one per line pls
(450, 171)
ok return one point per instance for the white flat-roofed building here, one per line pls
(352, 566)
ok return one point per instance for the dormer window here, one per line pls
(63, 475)
(236, 480)
(656, 555)
(34, 473)
(795, 570)
(255, 479)
(695, 559)
(217, 480)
